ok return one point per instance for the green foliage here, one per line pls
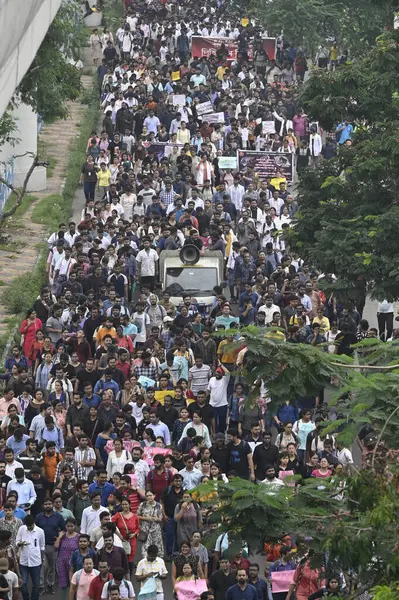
(354, 24)
(8, 127)
(27, 200)
(348, 207)
(20, 294)
(52, 79)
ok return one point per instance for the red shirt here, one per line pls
(134, 499)
(158, 482)
(125, 367)
(96, 587)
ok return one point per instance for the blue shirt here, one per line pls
(54, 435)
(105, 491)
(346, 133)
(263, 589)
(287, 413)
(106, 385)
(236, 593)
(76, 560)
(93, 401)
(18, 513)
(18, 447)
(51, 525)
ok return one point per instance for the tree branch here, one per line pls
(381, 434)
(20, 193)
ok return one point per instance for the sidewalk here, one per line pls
(57, 139)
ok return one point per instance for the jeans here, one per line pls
(47, 576)
(385, 321)
(220, 416)
(89, 188)
(170, 536)
(34, 572)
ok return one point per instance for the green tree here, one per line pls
(308, 23)
(353, 519)
(52, 79)
(348, 207)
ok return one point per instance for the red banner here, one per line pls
(205, 46)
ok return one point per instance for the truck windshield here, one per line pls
(191, 279)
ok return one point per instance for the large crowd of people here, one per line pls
(118, 403)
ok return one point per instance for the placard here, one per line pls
(227, 162)
(175, 75)
(204, 108)
(178, 99)
(281, 581)
(268, 127)
(213, 117)
(190, 590)
(266, 164)
(206, 46)
(149, 452)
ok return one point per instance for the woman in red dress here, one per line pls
(29, 328)
(36, 346)
(129, 525)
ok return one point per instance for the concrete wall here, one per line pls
(24, 23)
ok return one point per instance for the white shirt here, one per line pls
(157, 566)
(10, 468)
(345, 457)
(26, 491)
(125, 589)
(147, 261)
(87, 454)
(269, 312)
(218, 390)
(30, 554)
(91, 518)
(236, 194)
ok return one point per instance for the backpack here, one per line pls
(79, 575)
(167, 475)
(112, 582)
(294, 435)
(58, 434)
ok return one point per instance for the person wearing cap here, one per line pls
(11, 579)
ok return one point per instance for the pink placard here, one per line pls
(150, 452)
(281, 581)
(190, 590)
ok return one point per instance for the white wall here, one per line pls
(24, 23)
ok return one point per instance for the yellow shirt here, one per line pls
(104, 178)
(227, 355)
(276, 181)
(324, 324)
(333, 53)
(220, 72)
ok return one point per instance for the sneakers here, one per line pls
(50, 590)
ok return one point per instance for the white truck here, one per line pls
(185, 271)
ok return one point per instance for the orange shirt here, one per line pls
(50, 465)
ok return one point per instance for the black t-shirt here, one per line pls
(170, 500)
(69, 370)
(205, 411)
(220, 583)
(3, 584)
(263, 457)
(221, 457)
(168, 416)
(239, 459)
(87, 376)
